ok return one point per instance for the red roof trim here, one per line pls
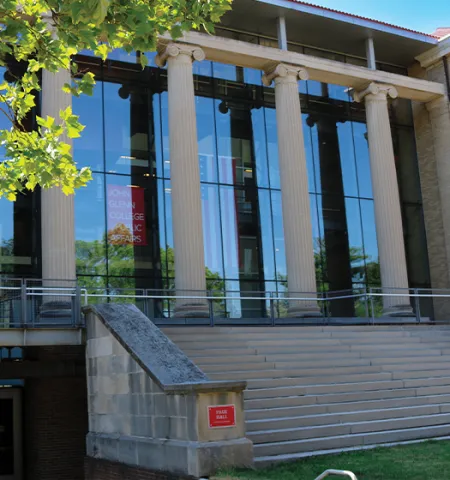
(362, 18)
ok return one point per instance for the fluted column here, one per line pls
(57, 209)
(185, 177)
(294, 189)
(388, 217)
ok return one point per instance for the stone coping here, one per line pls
(155, 353)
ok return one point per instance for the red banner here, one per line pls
(126, 215)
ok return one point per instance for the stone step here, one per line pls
(306, 329)
(345, 417)
(218, 364)
(297, 369)
(278, 377)
(337, 350)
(290, 435)
(325, 399)
(265, 383)
(286, 334)
(293, 396)
(215, 364)
(416, 379)
(297, 411)
(323, 389)
(217, 341)
(320, 388)
(268, 454)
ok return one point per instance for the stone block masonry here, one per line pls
(96, 469)
(148, 403)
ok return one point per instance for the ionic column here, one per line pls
(57, 211)
(388, 217)
(58, 234)
(185, 177)
(294, 189)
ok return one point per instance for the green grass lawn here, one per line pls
(421, 461)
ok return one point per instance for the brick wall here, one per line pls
(55, 421)
(96, 469)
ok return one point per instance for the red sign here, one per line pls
(222, 416)
(126, 215)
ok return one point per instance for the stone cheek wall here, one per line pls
(134, 420)
(124, 400)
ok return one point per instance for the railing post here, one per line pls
(417, 304)
(23, 302)
(211, 308)
(272, 309)
(77, 309)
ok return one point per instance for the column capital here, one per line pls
(283, 70)
(193, 52)
(375, 91)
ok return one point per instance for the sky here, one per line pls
(421, 15)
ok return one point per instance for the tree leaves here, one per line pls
(45, 34)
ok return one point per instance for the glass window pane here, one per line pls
(16, 235)
(314, 88)
(362, 159)
(272, 147)
(347, 154)
(265, 217)
(170, 273)
(230, 234)
(370, 243)
(260, 147)
(206, 139)
(90, 227)
(224, 71)
(132, 235)
(122, 56)
(355, 240)
(311, 140)
(278, 235)
(318, 242)
(165, 133)
(203, 68)
(88, 149)
(127, 128)
(252, 76)
(211, 230)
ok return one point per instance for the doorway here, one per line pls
(10, 434)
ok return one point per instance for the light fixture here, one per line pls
(133, 186)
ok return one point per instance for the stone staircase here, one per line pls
(314, 390)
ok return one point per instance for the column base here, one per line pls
(304, 311)
(404, 310)
(191, 310)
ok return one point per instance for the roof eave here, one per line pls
(355, 20)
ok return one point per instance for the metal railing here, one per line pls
(36, 303)
(339, 473)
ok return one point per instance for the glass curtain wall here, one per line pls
(19, 220)
(124, 221)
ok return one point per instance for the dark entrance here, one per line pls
(10, 435)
